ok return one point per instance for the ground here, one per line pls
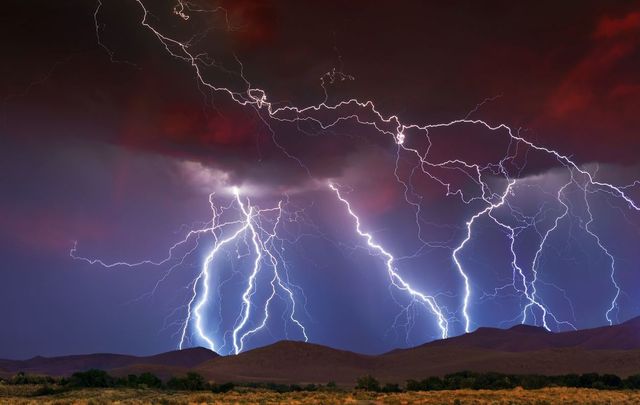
(24, 395)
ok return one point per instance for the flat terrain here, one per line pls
(22, 395)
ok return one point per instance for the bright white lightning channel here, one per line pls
(396, 279)
(326, 115)
(262, 241)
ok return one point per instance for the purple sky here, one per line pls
(110, 142)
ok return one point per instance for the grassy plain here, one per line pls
(25, 395)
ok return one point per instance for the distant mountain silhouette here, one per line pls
(66, 365)
(521, 338)
(521, 349)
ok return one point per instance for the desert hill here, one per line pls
(520, 350)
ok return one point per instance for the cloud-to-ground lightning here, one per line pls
(225, 234)
(495, 187)
(396, 279)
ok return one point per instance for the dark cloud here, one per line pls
(113, 142)
(565, 72)
(597, 103)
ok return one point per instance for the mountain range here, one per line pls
(521, 349)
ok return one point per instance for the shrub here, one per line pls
(493, 381)
(568, 380)
(433, 384)
(130, 381)
(150, 380)
(191, 382)
(368, 383)
(532, 382)
(587, 380)
(456, 381)
(632, 382)
(222, 388)
(91, 378)
(22, 378)
(47, 389)
(611, 381)
(391, 388)
(497, 381)
(278, 387)
(413, 385)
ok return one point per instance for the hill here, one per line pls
(66, 365)
(519, 350)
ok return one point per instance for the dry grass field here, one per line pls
(23, 395)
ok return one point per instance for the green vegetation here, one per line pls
(92, 378)
(282, 388)
(498, 381)
(464, 380)
(192, 382)
(143, 380)
(221, 388)
(95, 378)
(23, 379)
(368, 383)
(467, 380)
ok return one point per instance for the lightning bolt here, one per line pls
(262, 241)
(395, 278)
(494, 203)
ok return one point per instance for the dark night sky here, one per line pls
(118, 146)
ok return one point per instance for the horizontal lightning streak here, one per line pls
(327, 115)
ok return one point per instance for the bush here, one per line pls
(130, 381)
(568, 380)
(368, 383)
(497, 381)
(632, 382)
(144, 380)
(149, 380)
(391, 388)
(460, 380)
(47, 389)
(21, 378)
(192, 382)
(91, 378)
(433, 384)
(222, 388)
(428, 384)
(587, 380)
(281, 388)
(414, 385)
(493, 381)
(611, 381)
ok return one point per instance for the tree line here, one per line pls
(95, 378)
(499, 381)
